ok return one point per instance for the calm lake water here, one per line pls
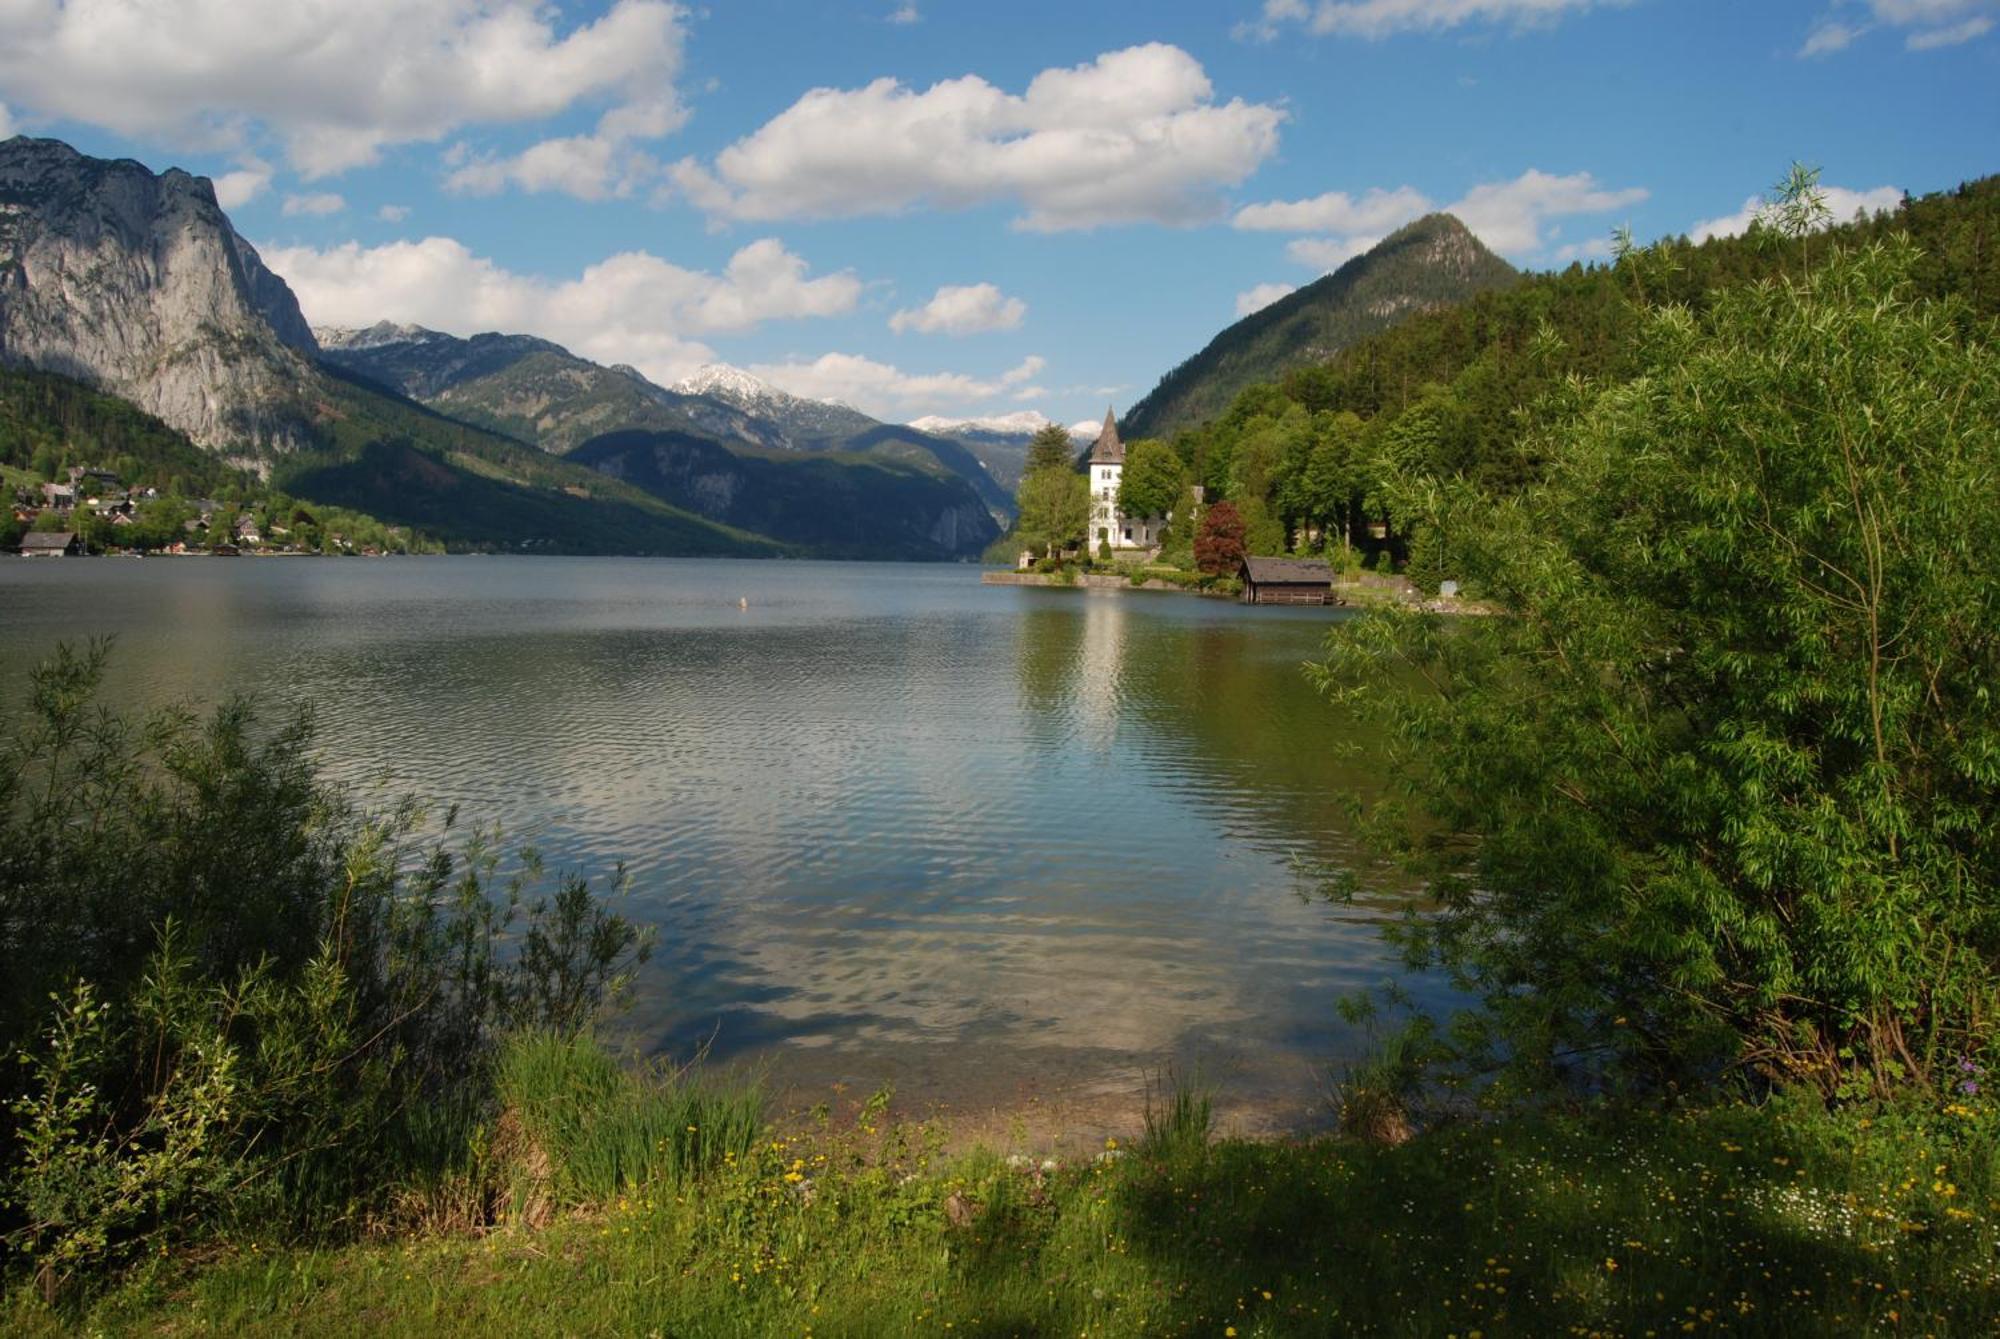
(996, 846)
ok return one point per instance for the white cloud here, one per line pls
(1134, 136)
(1928, 24)
(315, 206)
(335, 80)
(1381, 18)
(905, 14)
(1263, 295)
(1376, 211)
(962, 309)
(1955, 34)
(1509, 216)
(393, 213)
(887, 391)
(1596, 248)
(629, 308)
(1841, 204)
(1829, 36)
(1327, 254)
(251, 179)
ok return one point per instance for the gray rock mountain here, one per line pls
(137, 284)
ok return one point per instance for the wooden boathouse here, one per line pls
(1286, 581)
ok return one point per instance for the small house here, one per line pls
(51, 544)
(1286, 581)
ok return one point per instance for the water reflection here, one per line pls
(890, 823)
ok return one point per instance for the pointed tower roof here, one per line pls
(1109, 450)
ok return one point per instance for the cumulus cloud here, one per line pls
(1509, 216)
(314, 206)
(962, 309)
(251, 179)
(629, 308)
(335, 81)
(887, 391)
(1336, 211)
(1927, 25)
(1133, 136)
(1327, 254)
(905, 14)
(1382, 18)
(393, 213)
(1260, 297)
(1841, 203)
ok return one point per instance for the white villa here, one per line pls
(1107, 524)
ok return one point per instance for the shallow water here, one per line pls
(994, 845)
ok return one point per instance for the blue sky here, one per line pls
(972, 209)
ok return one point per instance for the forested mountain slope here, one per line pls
(1431, 263)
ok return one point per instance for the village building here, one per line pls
(51, 544)
(1108, 525)
(1286, 581)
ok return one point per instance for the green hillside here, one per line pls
(836, 504)
(476, 489)
(50, 424)
(1431, 263)
(1443, 395)
(516, 385)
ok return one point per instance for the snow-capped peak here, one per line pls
(731, 383)
(376, 336)
(1024, 421)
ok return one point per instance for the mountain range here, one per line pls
(1432, 263)
(137, 284)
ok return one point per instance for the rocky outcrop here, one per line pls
(137, 283)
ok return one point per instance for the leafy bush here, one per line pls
(255, 985)
(1717, 798)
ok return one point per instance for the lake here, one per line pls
(1004, 848)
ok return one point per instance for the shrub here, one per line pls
(258, 983)
(1716, 798)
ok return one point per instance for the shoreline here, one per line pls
(1368, 594)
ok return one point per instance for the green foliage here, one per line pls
(1401, 276)
(254, 983)
(1054, 506)
(602, 1129)
(1716, 796)
(1782, 1219)
(1451, 391)
(1050, 449)
(1180, 1117)
(1153, 480)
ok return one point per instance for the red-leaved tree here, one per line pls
(1218, 544)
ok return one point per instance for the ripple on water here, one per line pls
(885, 820)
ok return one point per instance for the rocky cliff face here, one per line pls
(137, 284)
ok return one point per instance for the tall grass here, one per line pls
(1180, 1112)
(592, 1128)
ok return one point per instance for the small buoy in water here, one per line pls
(743, 602)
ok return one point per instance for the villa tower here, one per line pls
(1107, 524)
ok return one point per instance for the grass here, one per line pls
(1777, 1220)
